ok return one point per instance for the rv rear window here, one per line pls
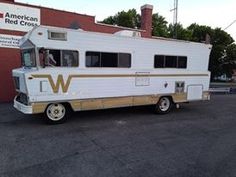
(106, 59)
(162, 61)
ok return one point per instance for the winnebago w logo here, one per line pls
(59, 82)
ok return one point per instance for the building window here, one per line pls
(162, 61)
(106, 59)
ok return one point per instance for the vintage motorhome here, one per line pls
(65, 68)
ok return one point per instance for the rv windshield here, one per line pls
(28, 57)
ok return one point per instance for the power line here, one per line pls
(230, 25)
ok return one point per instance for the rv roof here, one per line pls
(82, 31)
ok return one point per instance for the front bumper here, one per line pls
(23, 108)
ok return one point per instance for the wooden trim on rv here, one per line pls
(116, 102)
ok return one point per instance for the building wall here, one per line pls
(10, 57)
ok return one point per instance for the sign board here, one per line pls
(18, 18)
(9, 41)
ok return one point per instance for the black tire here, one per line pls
(56, 113)
(164, 105)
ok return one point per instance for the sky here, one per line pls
(214, 13)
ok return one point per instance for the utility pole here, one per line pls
(175, 19)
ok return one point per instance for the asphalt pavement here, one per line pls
(197, 140)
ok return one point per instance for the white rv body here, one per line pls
(85, 88)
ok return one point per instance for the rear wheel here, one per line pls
(56, 113)
(164, 105)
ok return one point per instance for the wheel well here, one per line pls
(168, 96)
(66, 104)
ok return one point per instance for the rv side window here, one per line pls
(105, 59)
(53, 58)
(58, 58)
(171, 62)
(28, 58)
(93, 59)
(182, 62)
(69, 58)
(162, 61)
(159, 61)
(109, 60)
(124, 60)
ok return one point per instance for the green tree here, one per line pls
(199, 32)
(229, 60)
(132, 19)
(159, 25)
(109, 20)
(129, 19)
(181, 33)
(219, 61)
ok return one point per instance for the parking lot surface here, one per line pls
(197, 140)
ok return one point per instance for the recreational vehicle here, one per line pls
(66, 69)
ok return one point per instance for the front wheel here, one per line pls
(55, 113)
(164, 105)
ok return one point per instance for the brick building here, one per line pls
(18, 18)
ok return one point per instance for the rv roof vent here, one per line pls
(62, 36)
(128, 33)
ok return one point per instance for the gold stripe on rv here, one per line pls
(65, 84)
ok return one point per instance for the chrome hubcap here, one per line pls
(164, 104)
(56, 112)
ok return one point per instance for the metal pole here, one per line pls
(175, 19)
(230, 25)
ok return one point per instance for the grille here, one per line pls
(17, 82)
(22, 98)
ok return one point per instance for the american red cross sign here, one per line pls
(1, 15)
